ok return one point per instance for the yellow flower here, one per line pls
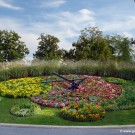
(77, 116)
(91, 115)
(89, 110)
(97, 116)
(76, 106)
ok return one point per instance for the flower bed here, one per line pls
(93, 89)
(24, 108)
(115, 80)
(23, 87)
(81, 111)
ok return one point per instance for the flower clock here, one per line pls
(92, 90)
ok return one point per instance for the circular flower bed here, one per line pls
(25, 108)
(23, 87)
(93, 89)
(81, 111)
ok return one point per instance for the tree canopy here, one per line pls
(122, 47)
(11, 48)
(92, 45)
(48, 47)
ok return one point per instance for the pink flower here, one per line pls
(53, 83)
(77, 99)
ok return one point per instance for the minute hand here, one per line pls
(78, 82)
(71, 81)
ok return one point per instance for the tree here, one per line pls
(48, 47)
(122, 47)
(70, 54)
(92, 45)
(11, 48)
(61, 53)
(67, 55)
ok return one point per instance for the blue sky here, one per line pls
(65, 19)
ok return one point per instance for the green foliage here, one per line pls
(48, 47)
(92, 45)
(25, 108)
(125, 101)
(122, 47)
(111, 107)
(69, 55)
(50, 116)
(4, 74)
(129, 94)
(94, 68)
(0, 99)
(11, 47)
(34, 71)
(115, 80)
(127, 74)
(18, 72)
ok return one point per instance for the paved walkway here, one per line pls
(20, 129)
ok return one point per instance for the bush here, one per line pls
(25, 108)
(4, 75)
(34, 71)
(87, 67)
(18, 72)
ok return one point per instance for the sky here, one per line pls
(65, 19)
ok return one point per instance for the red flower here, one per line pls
(53, 83)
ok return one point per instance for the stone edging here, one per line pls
(75, 127)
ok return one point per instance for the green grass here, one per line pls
(50, 116)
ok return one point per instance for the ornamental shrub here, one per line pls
(25, 108)
(81, 68)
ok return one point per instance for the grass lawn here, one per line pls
(50, 116)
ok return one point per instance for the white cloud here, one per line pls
(9, 24)
(65, 25)
(7, 4)
(80, 17)
(119, 25)
(127, 34)
(65, 44)
(53, 3)
(27, 36)
(68, 24)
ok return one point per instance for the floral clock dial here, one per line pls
(93, 89)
